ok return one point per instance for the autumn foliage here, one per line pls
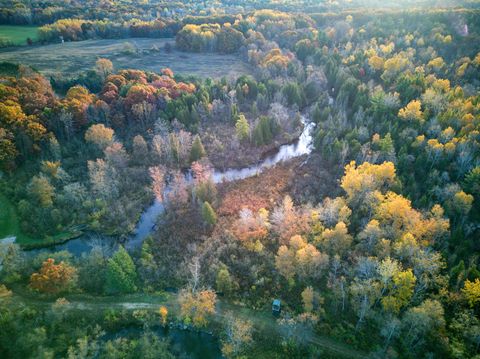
(53, 278)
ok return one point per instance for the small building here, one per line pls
(276, 307)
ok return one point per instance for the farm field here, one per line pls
(136, 53)
(17, 34)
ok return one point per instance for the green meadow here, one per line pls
(17, 35)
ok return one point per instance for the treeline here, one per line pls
(34, 122)
(77, 30)
(209, 38)
(37, 12)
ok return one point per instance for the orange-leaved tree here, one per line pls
(54, 278)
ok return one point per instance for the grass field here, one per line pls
(73, 57)
(18, 34)
(10, 227)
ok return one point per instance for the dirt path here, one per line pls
(262, 320)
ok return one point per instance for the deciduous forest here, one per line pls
(311, 189)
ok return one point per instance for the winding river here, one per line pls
(149, 217)
(195, 345)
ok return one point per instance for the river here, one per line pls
(192, 344)
(149, 217)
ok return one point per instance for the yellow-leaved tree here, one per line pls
(365, 178)
(412, 112)
(401, 291)
(471, 291)
(196, 307)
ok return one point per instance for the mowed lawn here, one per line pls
(8, 219)
(10, 223)
(18, 34)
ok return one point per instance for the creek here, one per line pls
(148, 219)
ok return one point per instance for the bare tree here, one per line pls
(195, 269)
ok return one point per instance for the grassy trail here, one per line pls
(262, 320)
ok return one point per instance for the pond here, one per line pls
(185, 343)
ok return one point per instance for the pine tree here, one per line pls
(258, 135)
(254, 109)
(195, 117)
(234, 112)
(121, 273)
(208, 214)
(197, 151)
(266, 126)
(242, 128)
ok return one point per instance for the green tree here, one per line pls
(308, 297)
(263, 132)
(12, 263)
(242, 128)
(208, 214)
(197, 151)
(402, 291)
(304, 48)
(121, 273)
(472, 182)
(472, 185)
(293, 94)
(258, 136)
(420, 321)
(91, 273)
(224, 282)
(41, 189)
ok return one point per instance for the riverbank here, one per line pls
(146, 224)
(245, 155)
(10, 229)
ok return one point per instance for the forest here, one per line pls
(323, 203)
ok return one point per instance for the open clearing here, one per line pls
(9, 225)
(74, 57)
(18, 34)
(10, 228)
